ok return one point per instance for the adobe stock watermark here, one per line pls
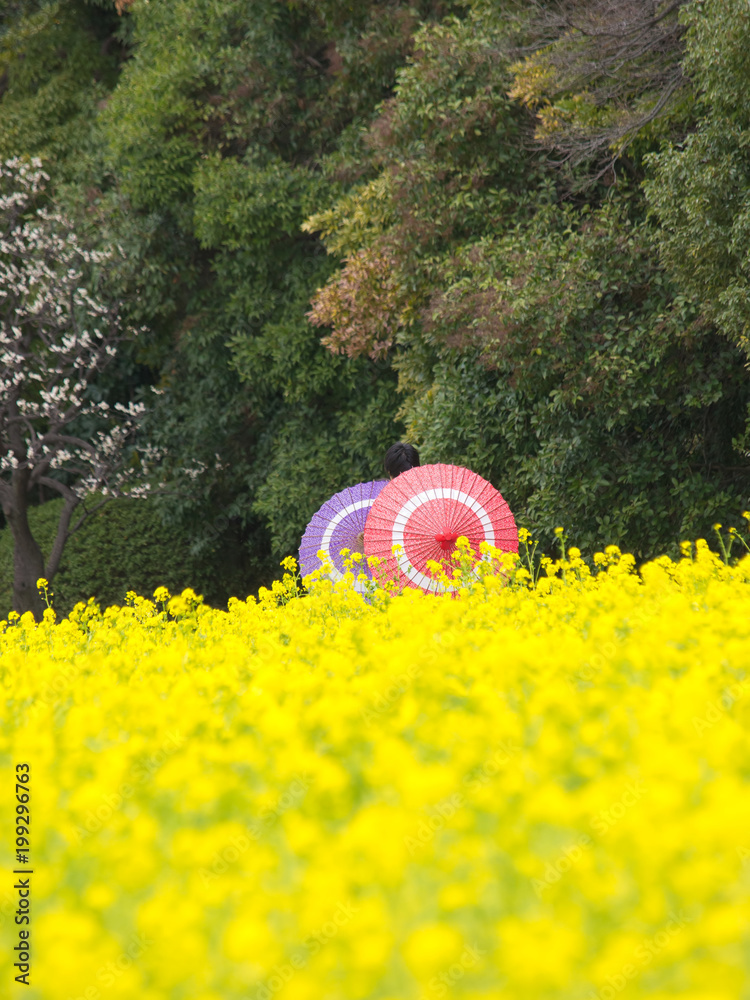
(290, 798)
(382, 702)
(54, 690)
(643, 956)
(442, 812)
(605, 653)
(222, 860)
(144, 771)
(443, 982)
(718, 710)
(108, 974)
(605, 819)
(281, 974)
(601, 823)
(563, 862)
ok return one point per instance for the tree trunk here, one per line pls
(28, 566)
(28, 562)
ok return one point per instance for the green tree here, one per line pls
(200, 155)
(700, 185)
(230, 132)
(536, 335)
(59, 60)
(531, 321)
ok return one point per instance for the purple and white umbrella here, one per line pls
(336, 526)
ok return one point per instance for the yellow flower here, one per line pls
(431, 790)
(431, 948)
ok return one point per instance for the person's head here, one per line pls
(399, 458)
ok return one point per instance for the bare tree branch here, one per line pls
(63, 525)
(621, 59)
(58, 487)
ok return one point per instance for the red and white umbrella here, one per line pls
(425, 510)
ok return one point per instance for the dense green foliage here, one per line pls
(537, 337)
(700, 185)
(578, 334)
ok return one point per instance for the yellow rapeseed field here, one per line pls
(515, 791)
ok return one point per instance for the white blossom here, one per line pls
(56, 336)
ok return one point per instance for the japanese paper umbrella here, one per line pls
(425, 510)
(336, 526)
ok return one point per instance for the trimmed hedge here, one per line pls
(123, 546)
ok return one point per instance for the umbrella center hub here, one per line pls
(447, 540)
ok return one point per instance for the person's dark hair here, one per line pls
(399, 458)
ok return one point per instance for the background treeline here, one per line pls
(517, 234)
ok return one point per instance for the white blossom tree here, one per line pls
(56, 337)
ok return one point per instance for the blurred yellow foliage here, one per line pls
(517, 790)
